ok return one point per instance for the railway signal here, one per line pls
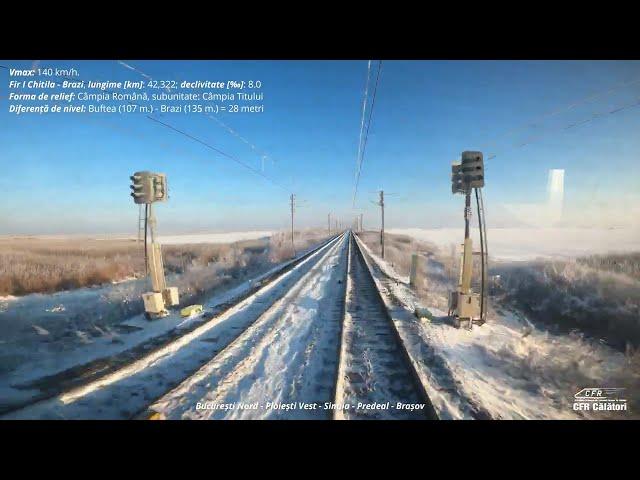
(148, 188)
(160, 188)
(464, 304)
(141, 187)
(457, 181)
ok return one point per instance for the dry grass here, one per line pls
(33, 265)
(399, 249)
(596, 295)
(182, 258)
(29, 265)
(47, 265)
(572, 294)
(280, 243)
(621, 263)
(437, 268)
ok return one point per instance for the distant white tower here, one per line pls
(555, 192)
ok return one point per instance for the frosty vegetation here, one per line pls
(597, 295)
(576, 294)
(580, 318)
(113, 273)
(66, 319)
(38, 265)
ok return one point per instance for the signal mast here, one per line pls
(149, 188)
(465, 306)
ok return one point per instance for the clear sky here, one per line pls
(69, 173)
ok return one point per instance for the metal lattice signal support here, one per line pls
(146, 223)
(141, 220)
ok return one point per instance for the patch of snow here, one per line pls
(124, 392)
(531, 243)
(40, 330)
(278, 359)
(507, 367)
(57, 309)
(228, 237)
(124, 280)
(439, 385)
(28, 356)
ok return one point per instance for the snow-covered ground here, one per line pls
(178, 239)
(531, 243)
(42, 335)
(506, 368)
(373, 369)
(34, 361)
(127, 390)
(288, 357)
(228, 237)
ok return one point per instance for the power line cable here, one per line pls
(121, 130)
(373, 102)
(364, 142)
(217, 150)
(364, 108)
(131, 67)
(263, 154)
(533, 121)
(593, 117)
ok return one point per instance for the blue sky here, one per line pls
(68, 173)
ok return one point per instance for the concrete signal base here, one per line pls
(464, 308)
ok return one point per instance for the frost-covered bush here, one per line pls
(571, 295)
(280, 248)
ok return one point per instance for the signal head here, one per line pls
(473, 169)
(457, 180)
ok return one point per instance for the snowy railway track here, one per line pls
(329, 342)
(283, 366)
(140, 379)
(375, 377)
(314, 338)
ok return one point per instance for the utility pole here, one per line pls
(361, 228)
(329, 223)
(381, 203)
(293, 204)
